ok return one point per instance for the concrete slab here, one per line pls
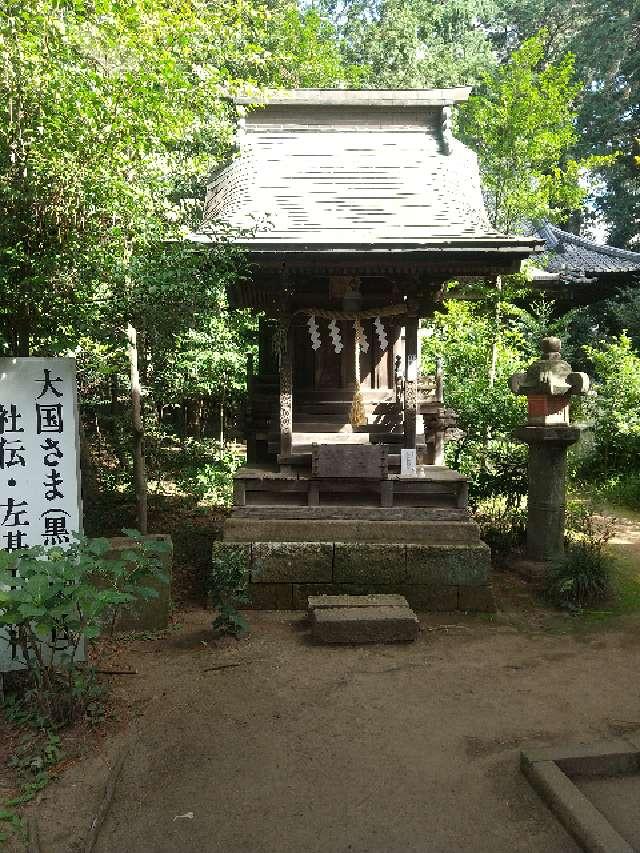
(319, 602)
(365, 625)
(618, 799)
(564, 775)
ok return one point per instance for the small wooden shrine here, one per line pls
(355, 209)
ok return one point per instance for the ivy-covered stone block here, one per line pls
(369, 563)
(450, 565)
(279, 562)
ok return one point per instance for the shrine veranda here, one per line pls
(355, 210)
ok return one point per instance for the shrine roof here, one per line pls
(577, 258)
(320, 171)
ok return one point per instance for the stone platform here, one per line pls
(297, 535)
(438, 577)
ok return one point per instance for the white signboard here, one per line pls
(39, 459)
(407, 463)
(412, 368)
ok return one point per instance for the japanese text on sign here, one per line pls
(39, 476)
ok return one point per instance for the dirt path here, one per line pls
(302, 748)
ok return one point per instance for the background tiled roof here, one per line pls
(577, 257)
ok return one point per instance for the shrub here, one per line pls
(583, 575)
(52, 599)
(502, 527)
(614, 410)
(228, 589)
(497, 471)
(621, 489)
(212, 481)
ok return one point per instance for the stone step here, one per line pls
(324, 426)
(343, 394)
(364, 624)
(321, 602)
(352, 513)
(321, 530)
(343, 407)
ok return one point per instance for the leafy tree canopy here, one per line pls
(521, 123)
(412, 43)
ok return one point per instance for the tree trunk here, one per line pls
(113, 389)
(140, 476)
(221, 449)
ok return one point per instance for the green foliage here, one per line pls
(462, 337)
(621, 488)
(614, 411)
(522, 126)
(35, 755)
(487, 410)
(503, 526)
(53, 598)
(228, 589)
(413, 43)
(212, 481)
(113, 116)
(583, 576)
(603, 37)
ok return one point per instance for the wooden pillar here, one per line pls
(410, 378)
(286, 385)
(438, 439)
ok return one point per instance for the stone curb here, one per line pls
(548, 771)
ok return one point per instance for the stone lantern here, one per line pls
(548, 385)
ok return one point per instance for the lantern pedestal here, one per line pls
(547, 471)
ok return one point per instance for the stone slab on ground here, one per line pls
(373, 624)
(323, 601)
(564, 776)
(618, 799)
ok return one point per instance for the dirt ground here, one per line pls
(298, 748)
(307, 748)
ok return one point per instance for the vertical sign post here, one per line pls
(40, 500)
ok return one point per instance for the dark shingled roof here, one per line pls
(337, 170)
(575, 258)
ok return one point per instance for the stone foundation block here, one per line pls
(399, 531)
(365, 625)
(369, 564)
(476, 599)
(291, 561)
(448, 565)
(240, 551)
(436, 599)
(151, 614)
(270, 596)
